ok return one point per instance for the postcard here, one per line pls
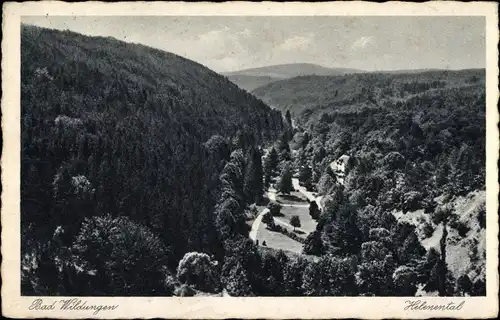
(250, 160)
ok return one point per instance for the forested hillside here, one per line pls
(313, 94)
(415, 145)
(125, 153)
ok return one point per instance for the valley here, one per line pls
(144, 173)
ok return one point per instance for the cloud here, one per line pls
(246, 33)
(362, 43)
(214, 36)
(298, 42)
(220, 43)
(225, 49)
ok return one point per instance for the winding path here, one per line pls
(271, 194)
(256, 224)
(309, 195)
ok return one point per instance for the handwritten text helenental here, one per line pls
(70, 305)
(418, 305)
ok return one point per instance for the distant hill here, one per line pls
(309, 95)
(250, 82)
(250, 79)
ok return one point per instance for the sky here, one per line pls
(225, 43)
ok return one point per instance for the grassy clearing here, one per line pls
(307, 223)
(276, 240)
(292, 198)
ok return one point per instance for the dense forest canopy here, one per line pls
(415, 143)
(118, 130)
(307, 96)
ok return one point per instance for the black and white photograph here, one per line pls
(252, 156)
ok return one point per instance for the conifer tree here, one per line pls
(253, 184)
(285, 183)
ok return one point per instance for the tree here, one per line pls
(270, 166)
(342, 234)
(284, 148)
(405, 281)
(119, 251)
(288, 118)
(374, 277)
(237, 283)
(274, 208)
(244, 252)
(442, 214)
(229, 210)
(289, 126)
(305, 176)
(295, 222)
(314, 211)
(253, 184)
(331, 276)
(73, 196)
(272, 276)
(429, 270)
(313, 244)
(327, 181)
(293, 276)
(285, 184)
(199, 270)
(479, 288)
(268, 220)
(464, 285)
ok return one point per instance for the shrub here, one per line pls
(292, 235)
(276, 228)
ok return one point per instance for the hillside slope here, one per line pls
(416, 147)
(466, 250)
(312, 94)
(115, 128)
